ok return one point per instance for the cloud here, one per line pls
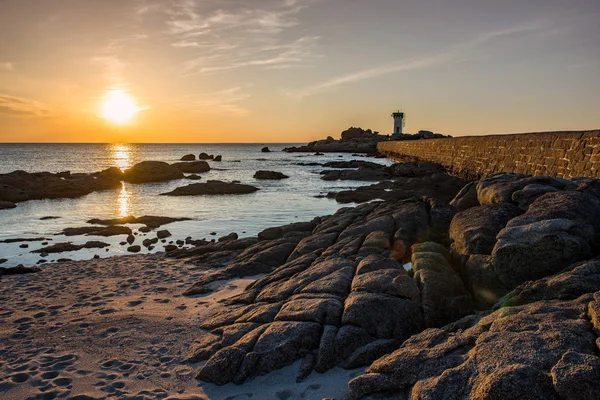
(110, 58)
(217, 37)
(455, 53)
(225, 101)
(20, 107)
(7, 67)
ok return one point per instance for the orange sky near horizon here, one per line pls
(291, 71)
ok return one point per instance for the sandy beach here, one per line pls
(119, 327)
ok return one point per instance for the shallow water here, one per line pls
(276, 203)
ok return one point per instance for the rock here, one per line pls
(529, 194)
(415, 169)
(211, 187)
(383, 316)
(192, 167)
(5, 205)
(188, 157)
(353, 164)
(269, 175)
(466, 198)
(558, 229)
(170, 247)
(24, 246)
(218, 158)
(335, 274)
(105, 231)
(541, 347)
(280, 231)
(130, 239)
(265, 150)
(3, 260)
(204, 156)
(444, 298)
(361, 174)
(21, 186)
(228, 238)
(151, 221)
(163, 234)
(500, 187)
(67, 246)
(15, 240)
(353, 133)
(439, 185)
(134, 249)
(474, 230)
(18, 270)
(151, 171)
(575, 376)
(193, 177)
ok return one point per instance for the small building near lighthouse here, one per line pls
(398, 122)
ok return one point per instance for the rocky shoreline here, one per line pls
(434, 286)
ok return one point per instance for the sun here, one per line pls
(119, 107)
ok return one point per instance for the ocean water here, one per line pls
(276, 203)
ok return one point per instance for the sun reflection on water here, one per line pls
(121, 154)
(123, 202)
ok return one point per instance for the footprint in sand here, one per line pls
(20, 377)
(107, 333)
(134, 303)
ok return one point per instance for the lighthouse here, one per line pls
(398, 122)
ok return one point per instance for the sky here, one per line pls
(270, 71)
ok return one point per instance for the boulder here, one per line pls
(170, 247)
(21, 186)
(192, 167)
(280, 231)
(228, 238)
(68, 246)
(151, 221)
(211, 187)
(5, 205)
(204, 156)
(541, 349)
(193, 177)
(361, 174)
(163, 234)
(269, 175)
(106, 231)
(188, 157)
(474, 230)
(218, 158)
(466, 198)
(151, 171)
(354, 134)
(558, 229)
(134, 249)
(500, 187)
(265, 150)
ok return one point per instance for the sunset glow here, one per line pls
(119, 107)
(291, 71)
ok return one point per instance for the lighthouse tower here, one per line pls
(398, 122)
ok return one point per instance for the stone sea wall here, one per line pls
(561, 154)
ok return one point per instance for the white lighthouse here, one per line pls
(398, 122)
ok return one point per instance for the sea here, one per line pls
(279, 202)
